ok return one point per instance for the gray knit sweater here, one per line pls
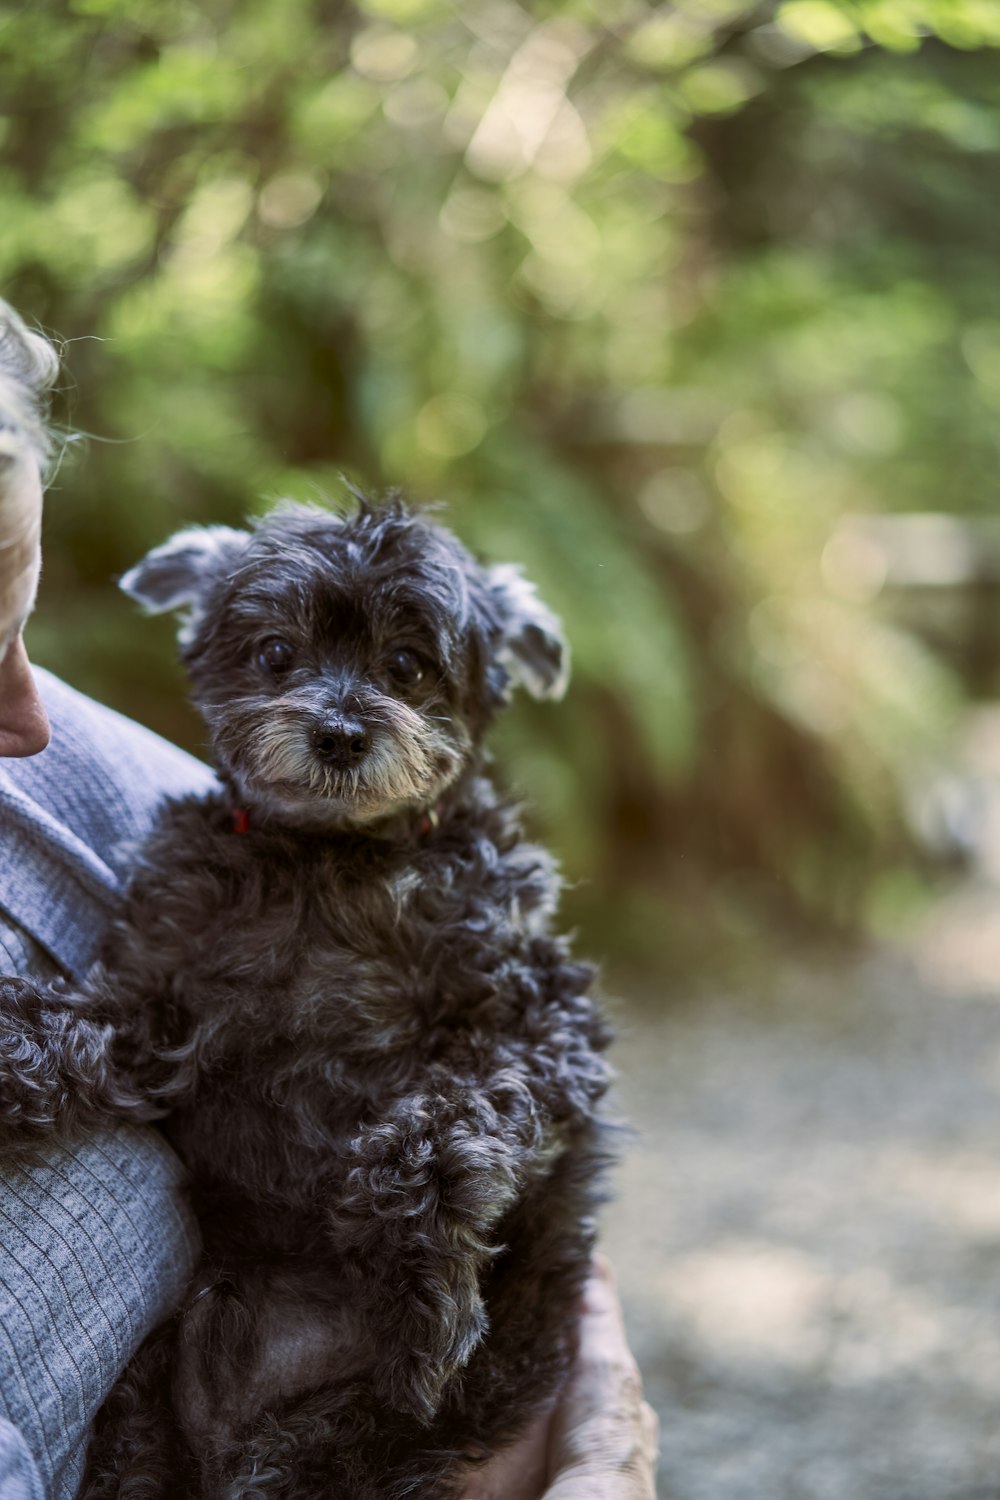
(96, 1241)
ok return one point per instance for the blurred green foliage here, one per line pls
(651, 294)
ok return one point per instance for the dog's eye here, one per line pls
(405, 668)
(275, 656)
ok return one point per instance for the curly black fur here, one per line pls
(381, 1068)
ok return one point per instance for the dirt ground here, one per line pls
(807, 1231)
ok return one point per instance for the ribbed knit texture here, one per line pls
(96, 1240)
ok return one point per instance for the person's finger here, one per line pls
(602, 1326)
(650, 1433)
(603, 1435)
(604, 1375)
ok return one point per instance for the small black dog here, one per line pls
(336, 976)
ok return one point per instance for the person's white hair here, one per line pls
(29, 366)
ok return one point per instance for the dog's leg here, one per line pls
(431, 1181)
(428, 1186)
(63, 1062)
(57, 1066)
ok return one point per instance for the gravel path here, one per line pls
(808, 1227)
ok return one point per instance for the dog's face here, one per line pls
(347, 666)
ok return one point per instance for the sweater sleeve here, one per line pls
(96, 1246)
(97, 1241)
(19, 1477)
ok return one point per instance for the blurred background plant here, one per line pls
(661, 298)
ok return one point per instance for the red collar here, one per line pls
(428, 823)
(430, 820)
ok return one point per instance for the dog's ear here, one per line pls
(182, 572)
(533, 650)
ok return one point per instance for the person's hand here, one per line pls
(603, 1435)
(599, 1443)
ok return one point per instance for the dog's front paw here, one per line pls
(31, 1094)
(57, 1066)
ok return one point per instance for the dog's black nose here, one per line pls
(341, 742)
